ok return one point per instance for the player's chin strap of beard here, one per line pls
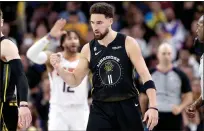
(198, 46)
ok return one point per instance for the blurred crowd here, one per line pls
(149, 23)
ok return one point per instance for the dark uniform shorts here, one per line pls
(115, 116)
(8, 116)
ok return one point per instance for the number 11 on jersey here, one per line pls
(110, 80)
(67, 89)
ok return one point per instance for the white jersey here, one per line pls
(201, 75)
(62, 94)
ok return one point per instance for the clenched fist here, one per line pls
(55, 60)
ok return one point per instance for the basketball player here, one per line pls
(68, 106)
(12, 76)
(199, 46)
(111, 57)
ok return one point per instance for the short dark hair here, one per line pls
(102, 8)
(1, 14)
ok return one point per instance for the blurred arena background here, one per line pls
(148, 22)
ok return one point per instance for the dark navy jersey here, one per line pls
(7, 81)
(112, 71)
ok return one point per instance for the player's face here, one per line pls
(199, 30)
(165, 55)
(100, 25)
(71, 43)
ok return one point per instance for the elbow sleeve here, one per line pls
(21, 80)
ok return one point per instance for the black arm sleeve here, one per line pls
(21, 80)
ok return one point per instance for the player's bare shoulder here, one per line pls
(9, 50)
(131, 45)
(85, 52)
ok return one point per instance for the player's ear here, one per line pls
(111, 21)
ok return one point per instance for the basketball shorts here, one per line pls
(115, 116)
(169, 122)
(73, 117)
(8, 116)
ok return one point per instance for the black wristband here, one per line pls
(153, 108)
(149, 85)
(23, 105)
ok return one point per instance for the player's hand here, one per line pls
(176, 110)
(24, 117)
(151, 118)
(191, 111)
(55, 60)
(57, 30)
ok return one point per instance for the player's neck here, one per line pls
(108, 38)
(164, 67)
(70, 56)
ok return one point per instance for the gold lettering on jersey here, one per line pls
(108, 57)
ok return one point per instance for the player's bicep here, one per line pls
(82, 68)
(9, 50)
(135, 55)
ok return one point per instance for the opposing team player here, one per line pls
(68, 106)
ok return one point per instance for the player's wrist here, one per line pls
(23, 103)
(154, 108)
(51, 37)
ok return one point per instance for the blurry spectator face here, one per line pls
(199, 30)
(194, 27)
(74, 18)
(71, 6)
(137, 32)
(155, 6)
(184, 55)
(100, 25)
(196, 86)
(41, 31)
(169, 14)
(71, 42)
(165, 54)
(6, 29)
(139, 17)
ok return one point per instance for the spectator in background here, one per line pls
(6, 32)
(155, 16)
(73, 7)
(185, 59)
(41, 29)
(74, 24)
(52, 18)
(137, 32)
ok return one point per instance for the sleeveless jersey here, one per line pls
(7, 81)
(61, 93)
(112, 71)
